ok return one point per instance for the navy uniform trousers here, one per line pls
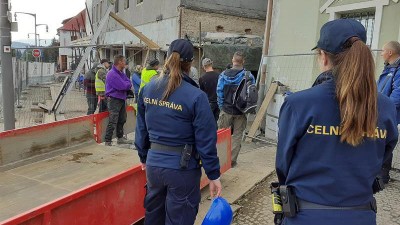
(173, 196)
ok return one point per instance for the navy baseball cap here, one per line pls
(184, 48)
(334, 34)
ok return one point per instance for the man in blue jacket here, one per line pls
(231, 116)
(117, 86)
(389, 85)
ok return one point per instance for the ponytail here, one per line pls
(356, 91)
(174, 69)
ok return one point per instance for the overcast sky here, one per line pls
(51, 12)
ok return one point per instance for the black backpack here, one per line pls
(246, 95)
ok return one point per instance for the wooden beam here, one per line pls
(261, 112)
(151, 44)
(146, 58)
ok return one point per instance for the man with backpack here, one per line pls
(389, 85)
(229, 95)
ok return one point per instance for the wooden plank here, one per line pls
(53, 93)
(37, 109)
(145, 58)
(137, 33)
(261, 112)
(44, 107)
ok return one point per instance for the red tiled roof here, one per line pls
(75, 23)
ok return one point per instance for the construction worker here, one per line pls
(334, 137)
(389, 85)
(89, 84)
(117, 87)
(100, 84)
(175, 130)
(149, 72)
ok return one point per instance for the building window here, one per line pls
(367, 19)
(126, 4)
(108, 54)
(139, 2)
(74, 37)
(116, 4)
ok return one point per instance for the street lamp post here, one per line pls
(31, 14)
(36, 25)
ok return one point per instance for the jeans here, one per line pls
(103, 105)
(92, 103)
(173, 196)
(117, 118)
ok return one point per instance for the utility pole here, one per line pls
(6, 67)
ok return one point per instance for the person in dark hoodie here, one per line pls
(89, 83)
(230, 116)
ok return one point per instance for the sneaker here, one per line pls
(108, 143)
(122, 141)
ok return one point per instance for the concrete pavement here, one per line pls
(254, 165)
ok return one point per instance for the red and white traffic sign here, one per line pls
(36, 53)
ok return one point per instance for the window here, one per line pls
(139, 2)
(116, 4)
(74, 37)
(367, 19)
(126, 4)
(108, 53)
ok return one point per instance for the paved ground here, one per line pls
(256, 205)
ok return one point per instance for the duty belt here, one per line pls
(304, 205)
(177, 149)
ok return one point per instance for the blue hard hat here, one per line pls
(220, 213)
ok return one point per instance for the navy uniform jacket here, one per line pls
(322, 170)
(389, 84)
(185, 118)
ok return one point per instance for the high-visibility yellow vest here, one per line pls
(99, 84)
(147, 75)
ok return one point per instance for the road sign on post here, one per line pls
(36, 53)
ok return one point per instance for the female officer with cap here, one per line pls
(333, 138)
(175, 130)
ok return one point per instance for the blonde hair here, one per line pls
(356, 91)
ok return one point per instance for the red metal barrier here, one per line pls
(224, 144)
(117, 200)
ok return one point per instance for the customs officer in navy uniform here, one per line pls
(334, 137)
(175, 136)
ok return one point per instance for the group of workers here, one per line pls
(335, 140)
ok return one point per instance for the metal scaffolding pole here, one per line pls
(6, 67)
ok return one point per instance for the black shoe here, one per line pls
(108, 143)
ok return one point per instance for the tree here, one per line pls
(51, 54)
